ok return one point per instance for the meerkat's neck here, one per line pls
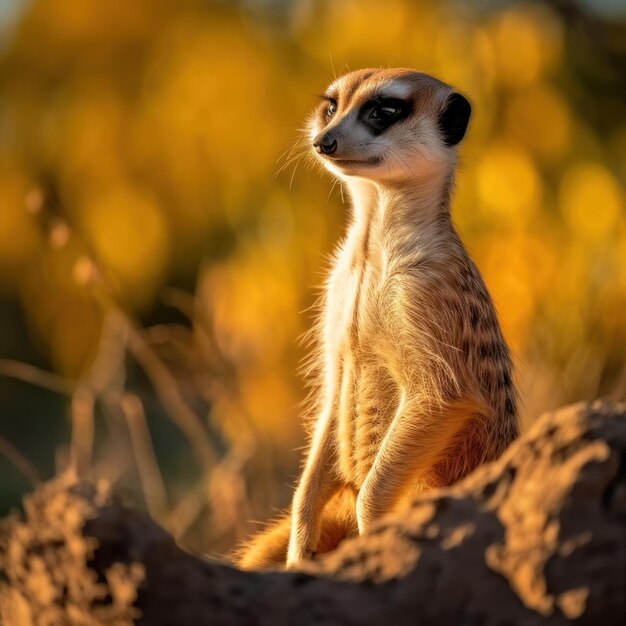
(404, 218)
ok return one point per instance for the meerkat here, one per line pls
(414, 387)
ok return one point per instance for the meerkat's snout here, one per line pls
(325, 145)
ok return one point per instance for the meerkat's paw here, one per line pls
(297, 555)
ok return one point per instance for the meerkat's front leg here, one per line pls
(416, 439)
(317, 485)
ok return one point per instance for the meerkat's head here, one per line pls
(391, 124)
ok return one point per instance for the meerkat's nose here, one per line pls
(323, 146)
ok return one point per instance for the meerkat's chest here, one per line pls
(354, 302)
(366, 395)
(356, 333)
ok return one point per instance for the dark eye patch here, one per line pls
(379, 114)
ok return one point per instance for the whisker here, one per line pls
(294, 171)
(287, 163)
(289, 151)
(332, 64)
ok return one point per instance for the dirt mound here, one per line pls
(538, 537)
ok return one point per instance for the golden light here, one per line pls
(130, 237)
(527, 42)
(19, 239)
(540, 117)
(591, 201)
(508, 183)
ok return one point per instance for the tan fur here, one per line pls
(413, 374)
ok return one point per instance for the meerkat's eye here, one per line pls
(383, 112)
(380, 113)
(332, 107)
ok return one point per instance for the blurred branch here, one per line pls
(227, 489)
(149, 473)
(116, 453)
(180, 300)
(21, 463)
(35, 376)
(187, 510)
(169, 394)
(223, 489)
(618, 393)
(107, 373)
(82, 431)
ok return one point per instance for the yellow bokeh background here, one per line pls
(164, 138)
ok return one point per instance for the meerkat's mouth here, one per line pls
(355, 162)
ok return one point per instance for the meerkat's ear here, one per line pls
(454, 118)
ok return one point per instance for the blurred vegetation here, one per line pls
(155, 273)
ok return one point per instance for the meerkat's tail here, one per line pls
(268, 548)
